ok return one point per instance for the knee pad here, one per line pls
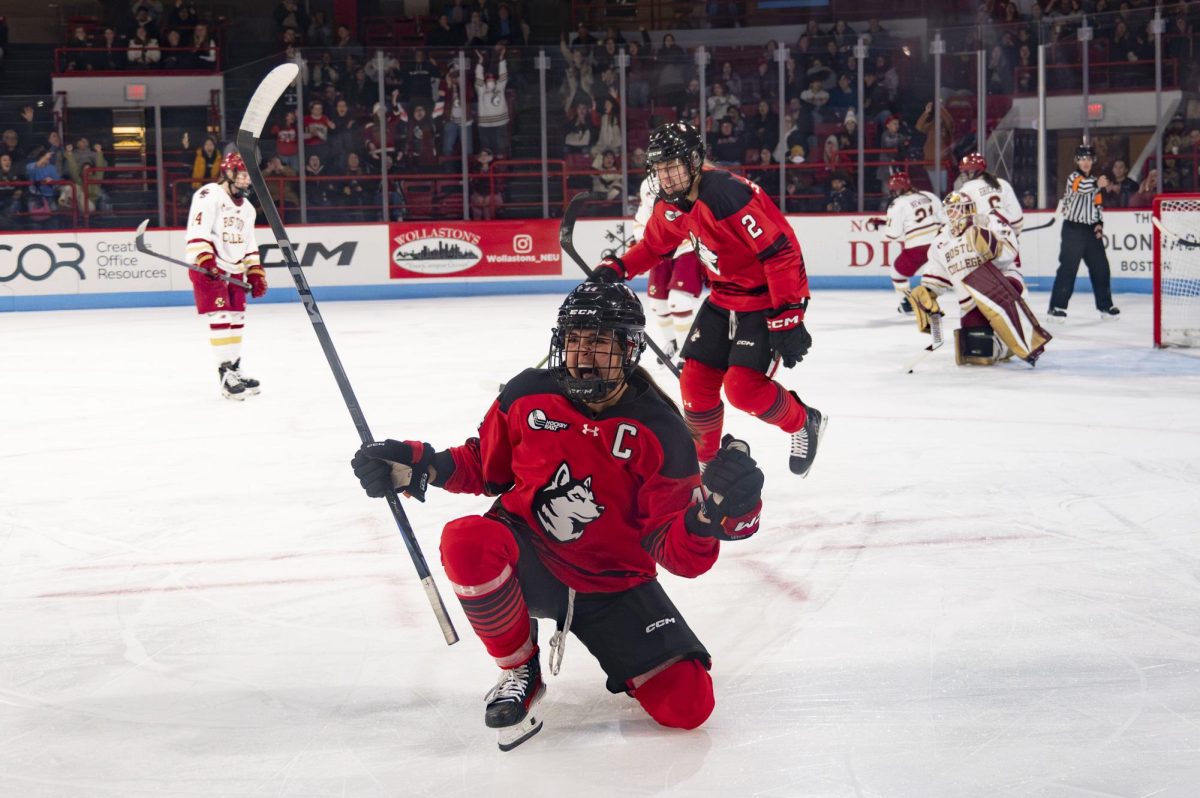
(700, 386)
(476, 549)
(680, 697)
(749, 390)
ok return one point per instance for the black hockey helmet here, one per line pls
(1085, 151)
(610, 309)
(675, 141)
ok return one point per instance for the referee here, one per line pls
(1083, 237)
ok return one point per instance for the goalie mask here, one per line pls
(233, 172)
(674, 158)
(960, 211)
(598, 340)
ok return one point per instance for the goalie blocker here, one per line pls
(1009, 318)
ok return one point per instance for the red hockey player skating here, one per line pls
(754, 317)
(598, 484)
(220, 240)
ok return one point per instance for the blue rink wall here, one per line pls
(64, 270)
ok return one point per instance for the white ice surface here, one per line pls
(988, 586)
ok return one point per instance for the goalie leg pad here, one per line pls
(974, 346)
(1007, 312)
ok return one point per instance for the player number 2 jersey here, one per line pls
(746, 244)
(219, 224)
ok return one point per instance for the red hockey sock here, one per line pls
(753, 392)
(680, 697)
(480, 557)
(700, 386)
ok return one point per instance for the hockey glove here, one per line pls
(403, 465)
(789, 340)
(610, 270)
(874, 223)
(258, 281)
(734, 483)
(208, 262)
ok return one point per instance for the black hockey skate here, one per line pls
(804, 441)
(1112, 312)
(250, 383)
(1057, 314)
(905, 307)
(512, 705)
(231, 386)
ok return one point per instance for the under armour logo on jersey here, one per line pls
(537, 420)
(593, 431)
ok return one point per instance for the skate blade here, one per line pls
(235, 397)
(253, 391)
(510, 737)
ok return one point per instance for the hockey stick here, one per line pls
(1050, 223)
(139, 241)
(264, 99)
(1187, 242)
(566, 236)
(935, 332)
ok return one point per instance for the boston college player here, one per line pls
(220, 240)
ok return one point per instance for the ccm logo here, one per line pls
(522, 244)
(659, 624)
(784, 322)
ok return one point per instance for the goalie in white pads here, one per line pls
(220, 240)
(973, 257)
(675, 283)
(913, 219)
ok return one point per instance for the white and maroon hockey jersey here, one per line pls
(220, 224)
(952, 258)
(1002, 201)
(913, 218)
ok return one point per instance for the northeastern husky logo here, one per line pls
(706, 255)
(566, 506)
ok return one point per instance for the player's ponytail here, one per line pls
(991, 180)
(654, 386)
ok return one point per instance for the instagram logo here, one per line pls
(522, 243)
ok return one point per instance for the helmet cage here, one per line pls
(674, 142)
(960, 211)
(595, 310)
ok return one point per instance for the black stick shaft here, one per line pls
(566, 239)
(140, 243)
(247, 145)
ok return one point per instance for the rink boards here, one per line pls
(80, 269)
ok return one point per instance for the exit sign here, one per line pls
(1095, 112)
(135, 92)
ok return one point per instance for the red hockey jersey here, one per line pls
(605, 494)
(746, 244)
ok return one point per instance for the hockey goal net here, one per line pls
(1177, 270)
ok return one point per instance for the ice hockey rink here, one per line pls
(989, 586)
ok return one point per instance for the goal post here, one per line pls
(1177, 270)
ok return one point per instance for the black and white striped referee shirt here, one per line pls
(1083, 201)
